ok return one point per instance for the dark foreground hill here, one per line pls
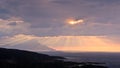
(12, 58)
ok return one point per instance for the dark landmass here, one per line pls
(12, 58)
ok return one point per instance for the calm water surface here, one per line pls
(112, 60)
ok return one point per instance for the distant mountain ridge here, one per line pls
(31, 45)
(24, 42)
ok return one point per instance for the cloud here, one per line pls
(46, 17)
(64, 2)
(16, 25)
(13, 26)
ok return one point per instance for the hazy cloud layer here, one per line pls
(13, 26)
(47, 17)
(62, 43)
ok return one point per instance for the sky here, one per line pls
(49, 18)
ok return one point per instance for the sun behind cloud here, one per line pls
(72, 21)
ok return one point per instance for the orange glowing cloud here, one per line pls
(73, 21)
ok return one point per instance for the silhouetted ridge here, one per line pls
(12, 58)
(25, 56)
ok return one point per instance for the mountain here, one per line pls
(23, 55)
(12, 58)
(24, 42)
(31, 45)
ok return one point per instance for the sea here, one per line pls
(111, 60)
